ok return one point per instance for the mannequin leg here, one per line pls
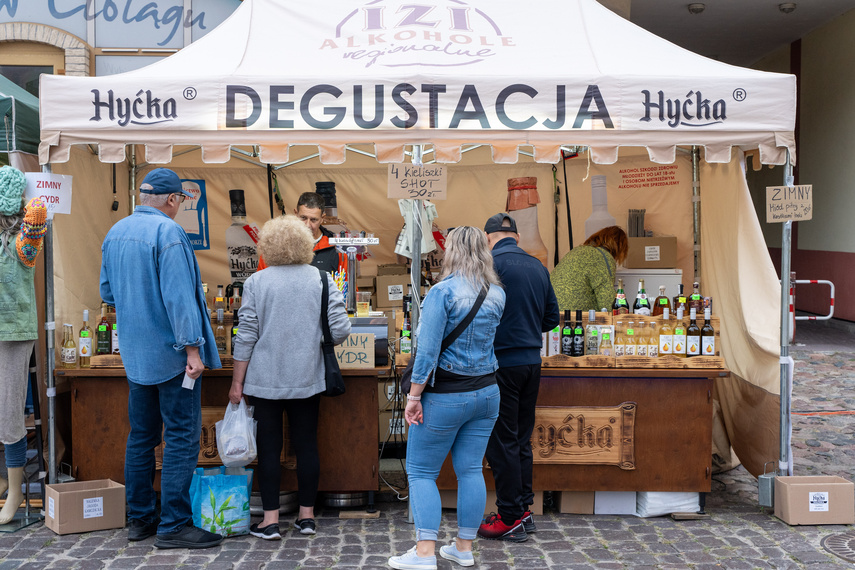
(15, 496)
(3, 486)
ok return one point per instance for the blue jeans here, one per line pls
(460, 423)
(16, 453)
(151, 408)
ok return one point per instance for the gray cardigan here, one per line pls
(280, 331)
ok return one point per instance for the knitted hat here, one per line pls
(12, 186)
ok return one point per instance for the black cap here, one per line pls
(498, 223)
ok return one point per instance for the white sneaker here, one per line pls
(412, 561)
(450, 552)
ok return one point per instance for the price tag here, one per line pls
(428, 182)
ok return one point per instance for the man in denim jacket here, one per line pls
(149, 272)
(530, 310)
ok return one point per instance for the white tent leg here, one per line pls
(785, 466)
(50, 351)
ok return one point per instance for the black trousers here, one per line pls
(509, 450)
(303, 432)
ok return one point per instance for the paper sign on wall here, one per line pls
(789, 203)
(356, 352)
(428, 182)
(54, 189)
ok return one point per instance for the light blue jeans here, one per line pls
(460, 423)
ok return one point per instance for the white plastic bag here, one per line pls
(236, 435)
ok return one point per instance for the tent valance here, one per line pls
(445, 73)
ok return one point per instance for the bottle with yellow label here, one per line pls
(68, 353)
(666, 334)
(606, 348)
(680, 336)
(84, 342)
(652, 340)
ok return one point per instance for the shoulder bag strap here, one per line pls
(325, 301)
(458, 330)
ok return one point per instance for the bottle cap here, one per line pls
(85, 314)
(666, 313)
(592, 315)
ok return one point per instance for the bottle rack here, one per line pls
(662, 361)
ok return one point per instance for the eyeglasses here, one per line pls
(181, 197)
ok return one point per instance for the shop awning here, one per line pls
(20, 110)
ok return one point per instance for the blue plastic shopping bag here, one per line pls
(220, 499)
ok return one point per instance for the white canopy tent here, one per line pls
(449, 73)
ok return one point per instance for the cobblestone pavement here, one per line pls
(738, 534)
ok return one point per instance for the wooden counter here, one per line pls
(650, 430)
(347, 429)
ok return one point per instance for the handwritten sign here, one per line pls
(356, 352)
(789, 203)
(54, 189)
(418, 182)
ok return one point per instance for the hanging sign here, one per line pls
(53, 189)
(426, 182)
(789, 203)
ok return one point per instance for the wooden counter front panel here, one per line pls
(347, 431)
(672, 435)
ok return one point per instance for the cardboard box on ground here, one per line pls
(84, 506)
(814, 500)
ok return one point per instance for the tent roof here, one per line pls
(445, 72)
(20, 110)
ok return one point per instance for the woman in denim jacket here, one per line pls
(454, 400)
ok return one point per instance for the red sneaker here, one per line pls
(493, 528)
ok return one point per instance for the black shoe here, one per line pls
(528, 523)
(305, 526)
(269, 532)
(188, 537)
(141, 530)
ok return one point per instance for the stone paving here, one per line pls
(738, 534)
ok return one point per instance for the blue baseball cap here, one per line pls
(163, 181)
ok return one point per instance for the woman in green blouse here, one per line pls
(585, 278)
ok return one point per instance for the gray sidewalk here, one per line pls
(738, 534)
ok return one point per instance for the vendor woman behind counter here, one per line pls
(585, 278)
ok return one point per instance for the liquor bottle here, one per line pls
(235, 322)
(708, 335)
(220, 333)
(84, 343)
(620, 340)
(631, 342)
(220, 299)
(567, 335)
(242, 252)
(68, 354)
(621, 306)
(642, 303)
(666, 334)
(661, 302)
(103, 333)
(693, 335)
(606, 347)
(679, 342)
(640, 339)
(235, 300)
(592, 334)
(406, 328)
(330, 219)
(652, 340)
(696, 301)
(114, 337)
(680, 300)
(578, 335)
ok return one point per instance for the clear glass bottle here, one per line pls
(606, 347)
(679, 336)
(707, 335)
(219, 300)
(220, 333)
(641, 339)
(68, 353)
(693, 335)
(666, 334)
(592, 334)
(652, 340)
(631, 341)
(406, 327)
(661, 302)
(103, 334)
(642, 303)
(620, 306)
(620, 340)
(242, 252)
(84, 341)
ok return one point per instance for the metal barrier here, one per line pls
(793, 317)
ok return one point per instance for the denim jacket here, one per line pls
(443, 308)
(149, 272)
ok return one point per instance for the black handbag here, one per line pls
(407, 374)
(332, 372)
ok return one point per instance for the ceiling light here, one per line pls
(787, 7)
(697, 7)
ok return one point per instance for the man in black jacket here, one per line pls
(530, 310)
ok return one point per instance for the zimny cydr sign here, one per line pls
(789, 203)
(428, 182)
(53, 189)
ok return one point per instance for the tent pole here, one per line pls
(50, 339)
(784, 461)
(132, 180)
(696, 207)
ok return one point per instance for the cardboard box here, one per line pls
(814, 500)
(84, 506)
(390, 291)
(574, 502)
(652, 253)
(448, 499)
(391, 269)
(614, 502)
(393, 427)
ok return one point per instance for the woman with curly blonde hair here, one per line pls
(278, 363)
